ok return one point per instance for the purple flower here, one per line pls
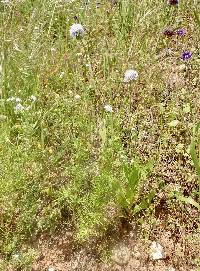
(173, 2)
(168, 32)
(186, 55)
(181, 32)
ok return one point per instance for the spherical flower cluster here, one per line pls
(186, 55)
(130, 75)
(76, 31)
(108, 108)
(181, 32)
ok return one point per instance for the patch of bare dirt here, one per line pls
(128, 254)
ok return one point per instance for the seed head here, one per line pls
(173, 2)
(168, 32)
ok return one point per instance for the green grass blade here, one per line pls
(187, 200)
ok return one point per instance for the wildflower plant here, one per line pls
(193, 199)
(73, 121)
(129, 195)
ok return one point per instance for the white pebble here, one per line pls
(157, 251)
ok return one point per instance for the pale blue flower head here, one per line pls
(130, 75)
(108, 108)
(76, 31)
(19, 108)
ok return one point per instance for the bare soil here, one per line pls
(127, 252)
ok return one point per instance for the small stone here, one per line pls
(51, 269)
(121, 255)
(157, 251)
